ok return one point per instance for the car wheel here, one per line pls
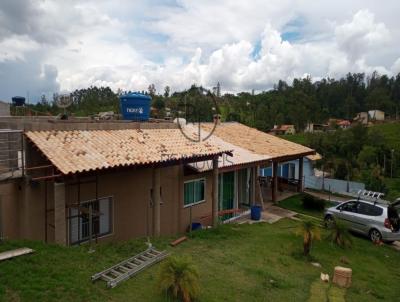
(375, 235)
(329, 221)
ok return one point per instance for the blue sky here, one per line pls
(50, 46)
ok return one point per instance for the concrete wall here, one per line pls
(23, 210)
(9, 218)
(50, 123)
(333, 185)
(4, 109)
(132, 209)
(24, 203)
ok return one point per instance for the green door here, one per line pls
(226, 192)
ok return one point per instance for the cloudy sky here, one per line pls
(49, 46)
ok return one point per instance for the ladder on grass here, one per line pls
(130, 267)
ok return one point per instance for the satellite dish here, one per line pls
(64, 101)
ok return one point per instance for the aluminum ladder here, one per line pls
(130, 267)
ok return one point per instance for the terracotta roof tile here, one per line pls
(257, 141)
(79, 151)
(240, 156)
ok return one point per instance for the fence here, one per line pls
(332, 185)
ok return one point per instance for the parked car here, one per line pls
(379, 221)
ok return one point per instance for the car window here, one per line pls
(350, 206)
(369, 209)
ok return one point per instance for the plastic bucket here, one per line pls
(255, 212)
(196, 226)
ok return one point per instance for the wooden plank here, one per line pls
(178, 241)
(15, 253)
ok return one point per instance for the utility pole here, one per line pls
(391, 164)
(384, 164)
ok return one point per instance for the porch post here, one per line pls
(215, 192)
(300, 183)
(274, 181)
(259, 187)
(254, 185)
(60, 228)
(156, 202)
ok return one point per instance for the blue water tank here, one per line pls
(18, 101)
(135, 106)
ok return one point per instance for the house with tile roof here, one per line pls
(283, 130)
(120, 183)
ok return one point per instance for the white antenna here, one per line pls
(63, 101)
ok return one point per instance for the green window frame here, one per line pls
(194, 192)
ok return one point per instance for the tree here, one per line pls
(152, 90)
(179, 279)
(310, 232)
(374, 179)
(166, 91)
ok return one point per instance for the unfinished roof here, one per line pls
(239, 156)
(80, 151)
(257, 141)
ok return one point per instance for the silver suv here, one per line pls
(379, 221)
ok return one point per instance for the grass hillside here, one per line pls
(259, 262)
(298, 138)
(391, 132)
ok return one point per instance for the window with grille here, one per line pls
(101, 220)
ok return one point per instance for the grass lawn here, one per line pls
(298, 138)
(294, 203)
(259, 262)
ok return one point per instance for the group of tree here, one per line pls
(305, 101)
(297, 103)
(358, 153)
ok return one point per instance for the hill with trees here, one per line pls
(297, 103)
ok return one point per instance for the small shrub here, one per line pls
(339, 234)
(310, 232)
(312, 203)
(179, 279)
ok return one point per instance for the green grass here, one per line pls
(298, 138)
(259, 262)
(390, 131)
(294, 203)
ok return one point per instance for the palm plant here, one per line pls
(310, 231)
(179, 278)
(339, 234)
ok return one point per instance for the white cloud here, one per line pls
(237, 43)
(396, 66)
(361, 35)
(15, 47)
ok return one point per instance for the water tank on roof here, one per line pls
(18, 101)
(135, 106)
